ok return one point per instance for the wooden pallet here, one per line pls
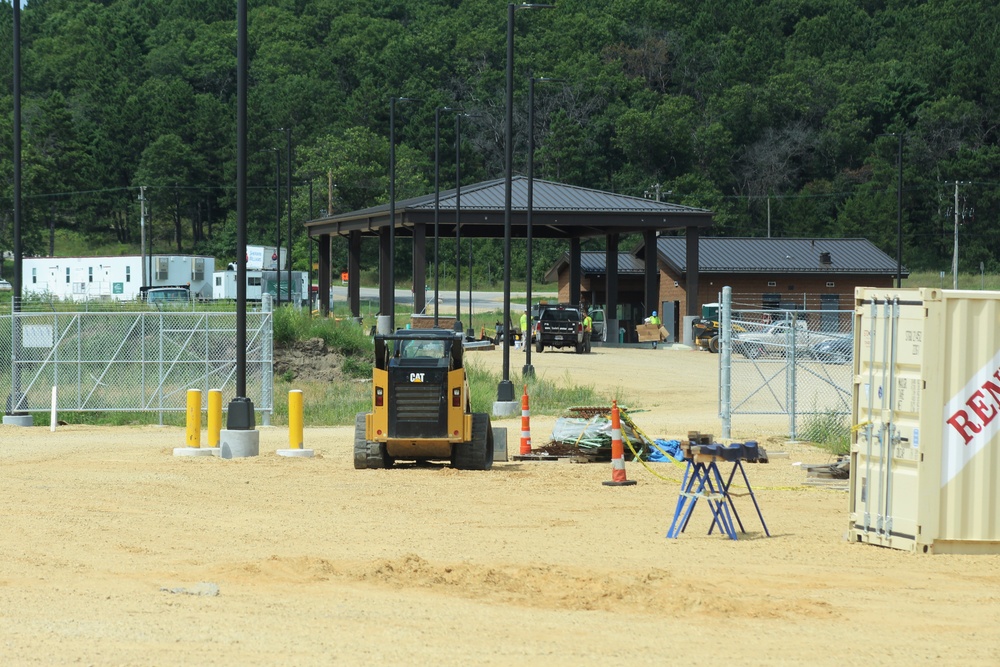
(569, 458)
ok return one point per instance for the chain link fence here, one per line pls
(787, 371)
(129, 360)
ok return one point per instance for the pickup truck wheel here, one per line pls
(713, 344)
(753, 351)
(539, 347)
(580, 347)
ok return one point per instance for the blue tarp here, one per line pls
(671, 447)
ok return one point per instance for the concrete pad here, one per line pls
(296, 453)
(193, 451)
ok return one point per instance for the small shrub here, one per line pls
(830, 431)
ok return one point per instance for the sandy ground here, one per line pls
(530, 563)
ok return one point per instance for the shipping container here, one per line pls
(925, 451)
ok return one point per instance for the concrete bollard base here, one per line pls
(18, 420)
(296, 453)
(193, 451)
(238, 444)
(506, 408)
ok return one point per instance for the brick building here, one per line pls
(764, 273)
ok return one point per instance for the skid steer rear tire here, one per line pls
(368, 454)
(713, 344)
(477, 454)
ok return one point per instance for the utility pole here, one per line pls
(142, 232)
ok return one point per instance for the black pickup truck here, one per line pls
(559, 326)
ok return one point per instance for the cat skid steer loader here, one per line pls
(421, 407)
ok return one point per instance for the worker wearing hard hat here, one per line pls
(653, 319)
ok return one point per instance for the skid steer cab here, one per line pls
(421, 408)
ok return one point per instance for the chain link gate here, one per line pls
(787, 371)
(130, 361)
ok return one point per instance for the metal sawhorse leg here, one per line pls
(698, 475)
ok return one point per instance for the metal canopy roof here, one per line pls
(778, 255)
(593, 263)
(558, 211)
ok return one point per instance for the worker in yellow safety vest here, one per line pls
(588, 327)
(525, 336)
(653, 319)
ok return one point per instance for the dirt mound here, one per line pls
(308, 360)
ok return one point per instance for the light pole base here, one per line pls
(528, 371)
(240, 416)
(383, 324)
(505, 391)
(239, 444)
(18, 420)
(506, 408)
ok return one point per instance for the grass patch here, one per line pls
(547, 397)
(830, 430)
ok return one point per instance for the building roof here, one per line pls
(558, 211)
(592, 263)
(778, 255)
(546, 196)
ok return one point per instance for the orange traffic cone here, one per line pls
(617, 451)
(525, 424)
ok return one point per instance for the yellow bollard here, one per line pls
(295, 419)
(214, 417)
(194, 418)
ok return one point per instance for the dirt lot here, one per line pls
(315, 563)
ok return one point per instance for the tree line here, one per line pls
(782, 116)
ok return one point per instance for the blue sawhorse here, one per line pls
(702, 479)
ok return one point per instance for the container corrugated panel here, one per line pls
(925, 453)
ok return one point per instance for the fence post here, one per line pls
(790, 358)
(266, 364)
(725, 363)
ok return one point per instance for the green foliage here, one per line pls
(547, 396)
(349, 338)
(726, 104)
(830, 430)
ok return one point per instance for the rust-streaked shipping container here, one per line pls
(925, 450)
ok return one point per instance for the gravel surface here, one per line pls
(115, 552)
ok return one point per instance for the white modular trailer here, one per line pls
(118, 278)
(925, 453)
(265, 258)
(261, 282)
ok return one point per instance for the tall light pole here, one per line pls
(505, 390)
(15, 402)
(309, 269)
(288, 188)
(240, 416)
(458, 219)
(277, 222)
(389, 292)
(458, 228)
(437, 199)
(529, 370)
